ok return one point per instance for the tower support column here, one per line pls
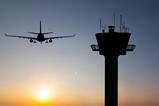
(111, 80)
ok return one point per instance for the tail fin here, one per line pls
(40, 27)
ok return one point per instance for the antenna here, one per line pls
(120, 22)
(100, 22)
(123, 26)
(128, 29)
(114, 18)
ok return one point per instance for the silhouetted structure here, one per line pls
(112, 44)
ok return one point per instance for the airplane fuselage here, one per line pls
(40, 37)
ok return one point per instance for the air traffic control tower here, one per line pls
(111, 45)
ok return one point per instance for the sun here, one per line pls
(43, 94)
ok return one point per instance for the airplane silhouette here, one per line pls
(40, 36)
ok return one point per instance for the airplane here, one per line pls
(40, 36)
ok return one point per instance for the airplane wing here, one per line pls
(56, 37)
(25, 37)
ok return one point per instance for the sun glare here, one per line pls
(43, 95)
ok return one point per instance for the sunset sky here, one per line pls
(72, 73)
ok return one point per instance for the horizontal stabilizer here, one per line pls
(47, 33)
(33, 32)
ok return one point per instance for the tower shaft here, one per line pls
(111, 80)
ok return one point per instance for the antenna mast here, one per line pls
(120, 22)
(114, 18)
(100, 22)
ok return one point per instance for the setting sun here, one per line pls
(43, 94)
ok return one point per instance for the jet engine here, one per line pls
(50, 40)
(31, 40)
